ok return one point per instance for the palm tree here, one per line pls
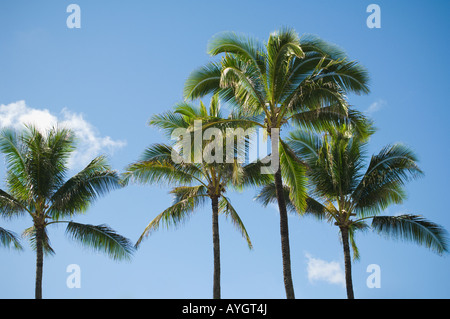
(288, 80)
(195, 181)
(346, 194)
(37, 186)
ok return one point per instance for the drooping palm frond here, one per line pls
(186, 200)
(9, 239)
(101, 238)
(226, 208)
(30, 234)
(11, 207)
(413, 228)
(353, 228)
(294, 175)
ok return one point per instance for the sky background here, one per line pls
(129, 60)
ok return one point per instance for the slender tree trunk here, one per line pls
(39, 261)
(284, 232)
(348, 263)
(216, 246)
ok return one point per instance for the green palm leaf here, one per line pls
(247, 48)
(413, 228)
(77, 193)
(226, 208)
(101, 238)
(186, 200)
(294, 174)
(30, 233)
(382, 183)
(267, 195)
(157, 166)
(203, 81)
(9, 239)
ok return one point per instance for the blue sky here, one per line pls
(129, 60)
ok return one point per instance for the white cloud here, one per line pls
(89, 142)
(375, 106)
(321, 270)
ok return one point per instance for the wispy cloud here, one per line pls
(321, 270)
(89, 141)
(375, 106)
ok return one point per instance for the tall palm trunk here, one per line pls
(216, 246)
(39, 261)
(284, 232)
(348, 263)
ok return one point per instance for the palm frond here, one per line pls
(202, 81)
(384, 179)
(101, 238)
(246, 48)
(186, 200)
(168, 121)
(9, 239)
(313, 44)
(413, 228)
(268, 195)
(46, 158)
(283, 47)
(331, 117)
(77, 193)
(30, 233)
(13, 149)
(356, 226)
(10, 206)
(350, 76)
(12, 146)
(157, 166)
(294, 175)
(252, 175)
(246, 82)
(226, 208)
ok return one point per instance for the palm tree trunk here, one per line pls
(39, 261)
(216, 246)
(348, 263)
(284, 232)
